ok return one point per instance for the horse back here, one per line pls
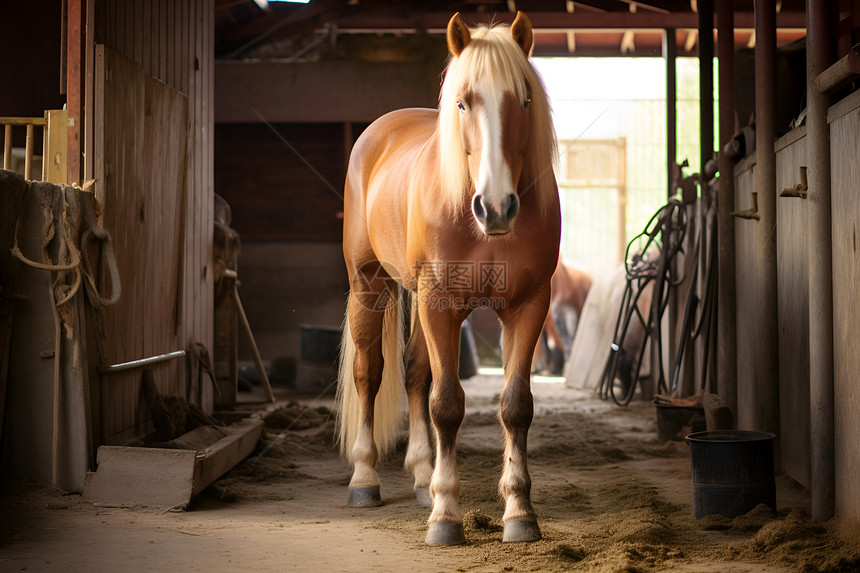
(393, 140)
(381, 165)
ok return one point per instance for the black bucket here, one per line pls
(732, 471)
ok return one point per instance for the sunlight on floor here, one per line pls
(495, 371)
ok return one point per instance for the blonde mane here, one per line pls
(493, 57)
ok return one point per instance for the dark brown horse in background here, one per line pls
(460, 206)
(570, 287)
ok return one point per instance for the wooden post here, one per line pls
(819, 56)
(28, 153)
(766, 392)
(55, 148)
(669, 52)
(7, 148)
(73, 86)
(706, 84)
(726, 355)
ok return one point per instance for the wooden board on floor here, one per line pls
(166, 478)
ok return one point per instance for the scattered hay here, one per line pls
(292, 433)
(296, 417)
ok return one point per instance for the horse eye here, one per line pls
(526, 103)
(461, 106)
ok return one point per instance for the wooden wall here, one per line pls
(793, 303)
(746, 279)
(288, 284)
(284, 181)
(845, 185)
(333, 91)
(283, 136)
(153, 141)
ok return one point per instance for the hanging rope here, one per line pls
(74, 256)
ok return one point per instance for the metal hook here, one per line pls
(751, 213)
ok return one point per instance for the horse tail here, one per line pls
(390, 400)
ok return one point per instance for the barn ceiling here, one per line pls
(255, 29)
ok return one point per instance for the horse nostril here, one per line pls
(478, 206)
(513, 206)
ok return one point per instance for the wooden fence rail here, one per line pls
(54, 126)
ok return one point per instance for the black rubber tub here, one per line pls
(732, 471)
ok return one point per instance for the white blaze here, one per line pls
(494, 174)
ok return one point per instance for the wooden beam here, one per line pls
(558, 20)
(74, 86)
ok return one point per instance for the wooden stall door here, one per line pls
(141, 176)
(845, 185)
(746, 279)
(793, 315)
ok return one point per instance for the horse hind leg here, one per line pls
(419, 454)
(369, 423)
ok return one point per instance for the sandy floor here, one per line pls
(609, 497)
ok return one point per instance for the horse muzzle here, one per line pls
(496, 219)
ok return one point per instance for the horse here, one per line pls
(569, 288)
(458, 208)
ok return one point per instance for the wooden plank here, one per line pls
(98, 114)
(21, 121)
(152, 477)
(148, 130)
(89, 98)
(845, 186)
(127, 28)
(119, 22)
(7, 146)
(109, 10)
(154, 26)
(28, 154)
(167, 478)
(226, 453)
(793, 313)
(199, 166)
(170, 43)
(146, 36)
(187, 64)
(54, 158)
(178, 36)
(163, 18)
(746, 279)
(206, 319)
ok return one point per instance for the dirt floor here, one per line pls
(608, 495)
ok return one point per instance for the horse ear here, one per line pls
(521, 30)
(458, 35)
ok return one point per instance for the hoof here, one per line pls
(445, 533)
(364, 497)
(520, 530)
(422, 495)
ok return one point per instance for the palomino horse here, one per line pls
(459, 206)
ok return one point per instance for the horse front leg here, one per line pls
(447, 409)
(522, 327)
